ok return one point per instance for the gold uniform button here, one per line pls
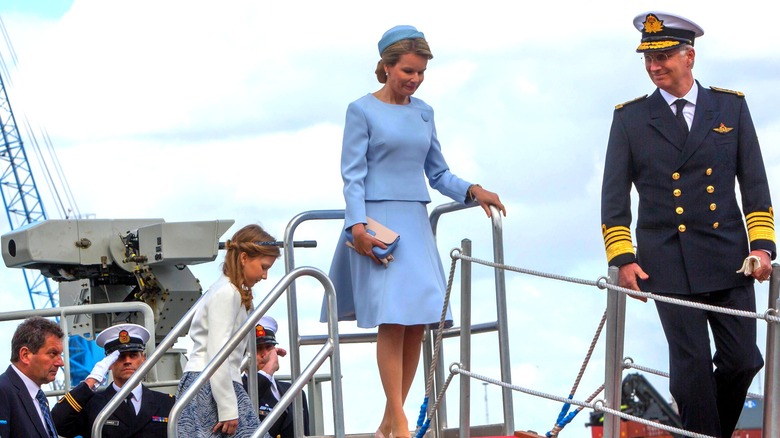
(679, 210)
(713, 207)
(681, 228)
(676, 176)
(710, 189)
(715, 226)
(677, 192)
(709, 171)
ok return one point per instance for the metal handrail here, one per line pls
(771, 425)
(145, 310)
(501, 321)
(331, 349)
(292, 305)
(614, 362)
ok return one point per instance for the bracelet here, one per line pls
(470, 192)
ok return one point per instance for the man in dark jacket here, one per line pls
(36, 356)
(143, 415)
(683, 148)
(270, 389)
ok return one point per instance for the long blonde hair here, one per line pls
(246, 241)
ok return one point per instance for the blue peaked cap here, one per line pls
(396, 34)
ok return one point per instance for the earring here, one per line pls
(387, 74)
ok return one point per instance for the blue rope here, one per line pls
(423, 412)
(423, 429)
(563, 418)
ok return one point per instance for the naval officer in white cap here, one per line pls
(269, 388)
(683, 148)
(144, 413)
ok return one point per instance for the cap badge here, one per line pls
(722, 129)
(653, 24)
(124, 337)
(259, 331)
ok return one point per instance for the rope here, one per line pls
(597, 406)
(564, 417)
(422, 423)
(628, 363)
(423, 428)
(770, 315)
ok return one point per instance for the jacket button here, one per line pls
(715, 226)
(710, 189)
(677, 192)
(709, 171)
(676, 176)
(679, 210)
(681, 228)
(713, 207)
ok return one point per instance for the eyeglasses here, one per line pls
(659, 57)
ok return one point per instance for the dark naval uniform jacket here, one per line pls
(18, 416)
(266, 403)
(690, 233)
(75, 414)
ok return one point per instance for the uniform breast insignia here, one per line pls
(723, 90)
(159, 419)
(722, 129)
(112, 423)
(265, 410)
(621, 105)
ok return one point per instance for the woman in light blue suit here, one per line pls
(389, 148)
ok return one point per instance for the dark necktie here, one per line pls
(680, 104)
(46, 414)
(129, 402)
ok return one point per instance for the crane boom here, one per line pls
(21, 197)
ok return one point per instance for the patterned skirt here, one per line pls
(199, 417)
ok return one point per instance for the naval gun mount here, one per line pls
(118, 260)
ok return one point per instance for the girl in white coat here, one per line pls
(222, 407)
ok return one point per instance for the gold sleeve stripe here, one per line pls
(72, 402)
(760, 215)
(617, 241)
(761, 226)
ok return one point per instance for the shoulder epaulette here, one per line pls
(621, 105)
(723, 90)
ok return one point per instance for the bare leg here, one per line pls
(397, 372)
(412, 347)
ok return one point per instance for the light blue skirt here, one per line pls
(200, 415)
(410, 291)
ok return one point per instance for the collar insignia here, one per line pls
(653, 24)
(722, 129)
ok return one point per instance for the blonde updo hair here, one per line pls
(244, 241)
(393, 53)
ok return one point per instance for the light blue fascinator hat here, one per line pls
(396, 34)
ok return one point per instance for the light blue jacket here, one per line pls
(387, 152)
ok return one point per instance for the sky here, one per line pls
(198, 110)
